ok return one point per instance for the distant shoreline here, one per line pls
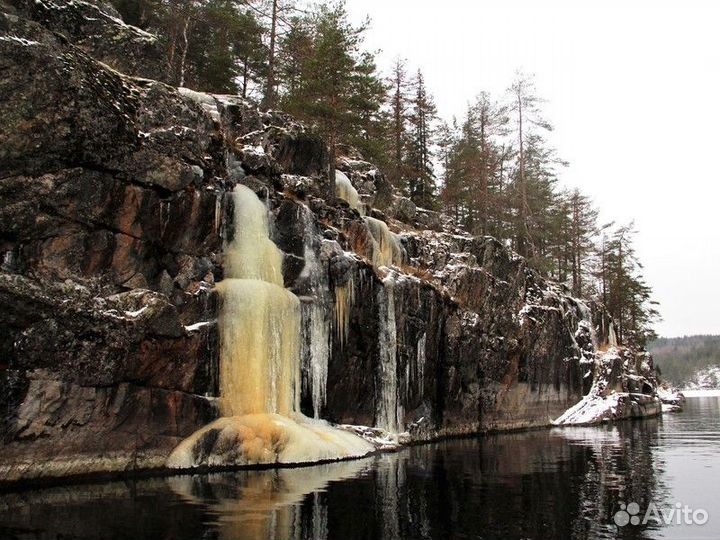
(701, 393)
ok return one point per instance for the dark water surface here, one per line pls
(546, 484)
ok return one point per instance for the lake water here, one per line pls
(544, 484)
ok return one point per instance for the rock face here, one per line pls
(114, 210)
(96, 27)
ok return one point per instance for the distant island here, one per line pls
(691, 362)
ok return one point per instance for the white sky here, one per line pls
(633, 91)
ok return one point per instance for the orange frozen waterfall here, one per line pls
(260, 333)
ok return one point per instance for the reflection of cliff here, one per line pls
(558, 484)
(130, 510)
(245, 504)
(620, 459)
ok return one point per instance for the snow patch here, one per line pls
(21, 41)
(135, 314)
(197, 326)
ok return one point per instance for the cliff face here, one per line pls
(114, 209)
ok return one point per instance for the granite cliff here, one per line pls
(115, 209)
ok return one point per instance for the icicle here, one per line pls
(259, 320)
(316, 322)
(251, 254)
(344, 301)
(259, 335)
(389, 410)
(587, 316)
(612, 337)
(164, 215)
(218, 212)
(420, 363)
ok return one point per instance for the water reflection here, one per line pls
(268, 504)
(562, 483)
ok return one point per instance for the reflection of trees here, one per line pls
(620, 468)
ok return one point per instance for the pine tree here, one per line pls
(278, 18)
(584, 228)
(226, 48)
(490, 124)
(462, 168)
(210, 45)
(269, 96)
(525, 105)
(367, 130)
(448, 140)
(294, 52)
(337, 89)
(534, 227)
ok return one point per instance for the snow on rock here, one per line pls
(672, 399)
(197, 326)
(21, 41)
(598, 405)
(206, 101)
(381, 439)
(592, 409)
(136, 313)
(614, 394)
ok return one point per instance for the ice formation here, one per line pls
(260, 363)
(345, 191)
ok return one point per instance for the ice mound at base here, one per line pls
(257, 439)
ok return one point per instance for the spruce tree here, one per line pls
(627, 297)
(421, 176)
(399, 102)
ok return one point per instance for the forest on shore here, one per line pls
(491, 167)
(680, 359)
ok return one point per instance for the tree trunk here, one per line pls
(269, 98)
(245, 78)
(522, 237)
(330, 195)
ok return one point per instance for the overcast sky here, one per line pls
(633, 91)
